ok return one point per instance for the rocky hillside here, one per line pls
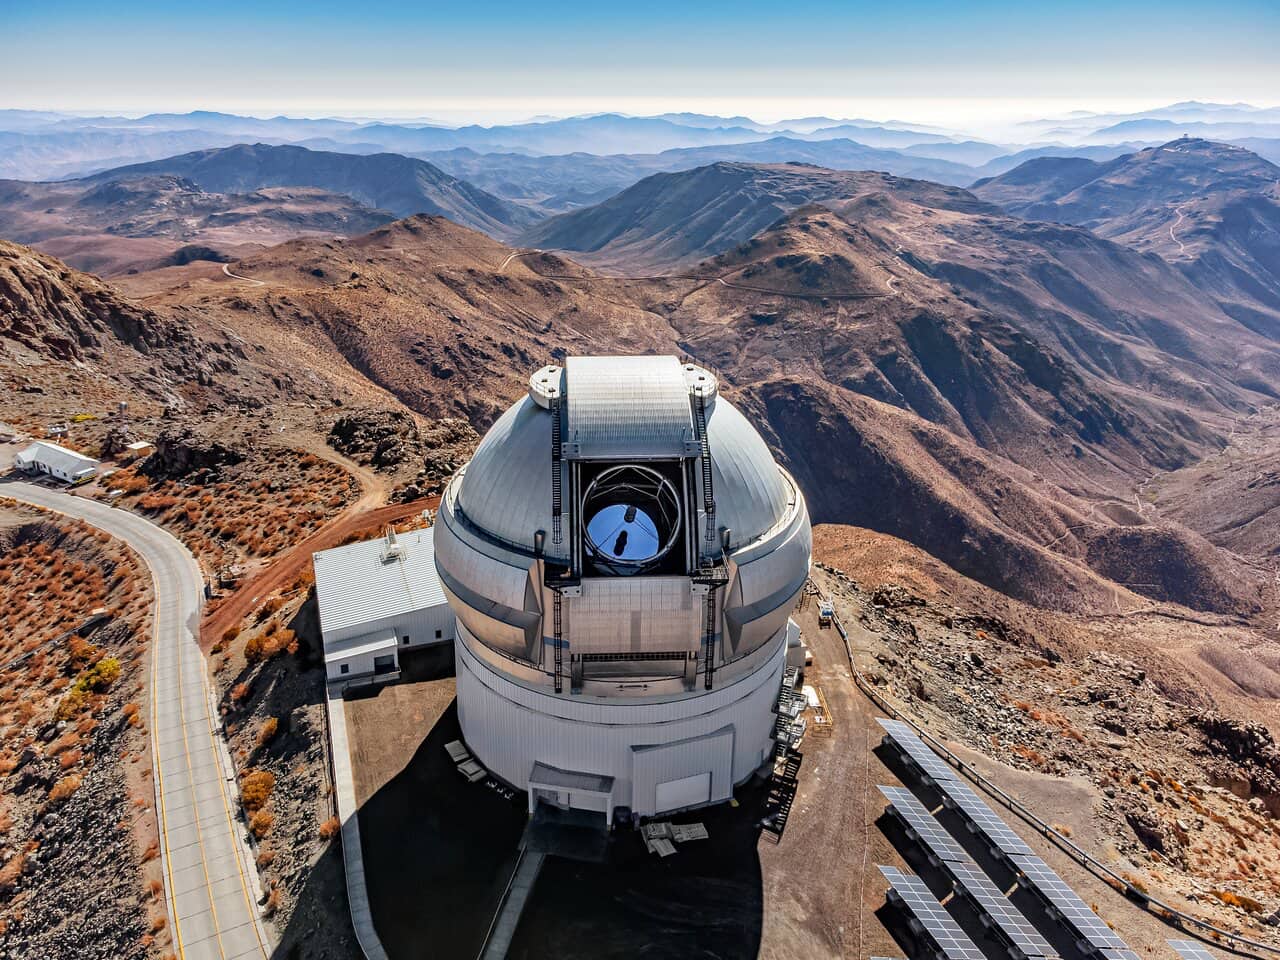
(78, 875)
(680, 218)
(52, 311)
(385, 181)
(1210, 208)
(121, 225)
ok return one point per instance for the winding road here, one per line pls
(209, 877)
(235, 276)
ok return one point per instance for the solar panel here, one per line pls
(923, 824)
(1007, 918)
(1091, 928)
(932, 916)
(961, 796)
(1119, 955)
(1191, 950)
(917, 750)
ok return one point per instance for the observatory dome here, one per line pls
(622, 554)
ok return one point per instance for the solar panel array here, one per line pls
(975, 809)
(1191, 950)
(1091, 927)
(931, 833)
(1008, 918)
(917, 750)
(932, 916)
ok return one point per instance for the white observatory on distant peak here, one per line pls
(622, 555)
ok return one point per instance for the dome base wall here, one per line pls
(648, 757)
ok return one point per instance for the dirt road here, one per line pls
(285, 569)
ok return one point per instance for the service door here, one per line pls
(685, 792)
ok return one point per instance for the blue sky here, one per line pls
(498, 60)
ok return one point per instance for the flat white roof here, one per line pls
(56, 457)
(355, 586)
(376, 642)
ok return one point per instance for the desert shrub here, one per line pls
(255, 649)
(64, 788)
(260, 823)
(1232, 899)
(255, 789)
(96, 679)
(330, 828)
(273, 901)
(267, 732)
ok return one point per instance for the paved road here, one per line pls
(208, 874)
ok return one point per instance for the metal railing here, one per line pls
(1157, 908)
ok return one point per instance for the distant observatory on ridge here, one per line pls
(622, 555)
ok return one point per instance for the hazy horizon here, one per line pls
(928, 62)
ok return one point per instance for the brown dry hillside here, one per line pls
(1004, 438)
(673, 219)
(117, 226)
(1211, 209)
(424, 309)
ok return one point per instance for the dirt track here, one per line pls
(286, 568)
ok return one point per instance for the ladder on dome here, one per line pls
(558, 629)
(709, 640)
(708, 496)
(557, 499)
(713, 574)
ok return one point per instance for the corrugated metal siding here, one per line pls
(624, 408)
(509, 727)
(654, 764)
(355, 588)
(634, 614)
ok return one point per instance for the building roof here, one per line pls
(545, 775)
(56, 457)
(379, 641)
(355, 585)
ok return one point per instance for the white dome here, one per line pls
(506, 490)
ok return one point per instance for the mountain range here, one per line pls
(38, 145)
(1211, 209)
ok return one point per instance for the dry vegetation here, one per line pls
(255, 511)
(1183, 802)
(74, 743)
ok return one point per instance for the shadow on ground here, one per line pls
(438, 850)
(706, 900)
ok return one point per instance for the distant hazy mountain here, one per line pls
(555, 184)
(1212, 209)
(674, 218)
(1155, 129)
(973, 153)
(387, 181)
(41, 155)
(877, 136)
(1001, 164)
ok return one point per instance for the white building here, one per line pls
(376, 598)
(56, 461)
(623, 555)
